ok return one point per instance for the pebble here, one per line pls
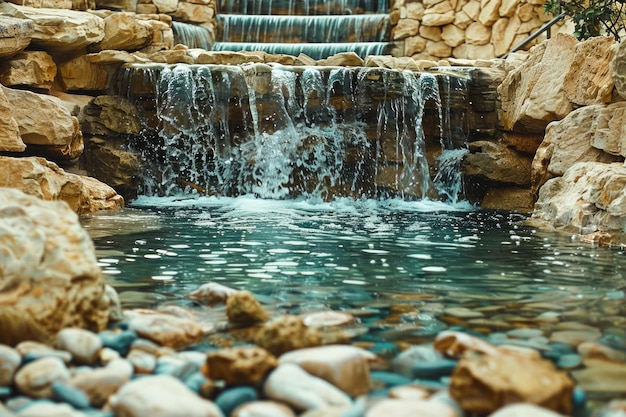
(291, 384)
(31, 351)
(593, 350)
(10, 359)
(344, 366)
(212, 293)
(35, 378)
(569, 361)
(524, 410)
(525, 333)
(100, 383)
(160, 396)
(239, 366)
(195, 382)
(433, 370)
(118, 341)
(143, 362)
(409, 392)
(388, 379)
(404, 362)
(263, 409)
(232, 398)
(48, 409)
(82, 344)
(243, 309)
(410, 408)
(166, 329)
(462, 313)
(75, 397)
(575, 337)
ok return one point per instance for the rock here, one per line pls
(35, 379)
(143, 362)
(232, 398)
(110, 116)
(566, 143)
(50, 277)
(263, 409)
(508, 198)
(243, 309)
(477, 34)
(123, 31)
(31, 351)
(45, 121)
(344, 59)
(160, 396)
(100, 383)
(239, 366)
(118, 341)
(292, 385)
(498, 163)
(587, 198)
(575, 337)
(82, 344)
(48, 409)
(410, 408)
(618, 70)
(454, 344)
(15, 35)
(589, 80)
(213, 293)
(10, 140)
(34, 69)
(524, 410)
(601, 377)
(532, 95)
(45, 180)
(409, 392)
(346, 367)
(287, 333)
(10, 359)
(166, 329)
(592, 350)
(482, 384)
(609, 129)
(65, 393)
(58, 30)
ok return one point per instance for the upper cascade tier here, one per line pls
(313, 50)
(301, 7)
(309, 29)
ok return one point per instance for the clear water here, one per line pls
(418, 258)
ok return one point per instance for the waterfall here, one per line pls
(193, 36)
(318, 28)
(282, 132)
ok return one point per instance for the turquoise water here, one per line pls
(357, 255)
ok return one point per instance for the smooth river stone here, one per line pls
(160, 396)
(35, 379)
(240, 365)
(100, 383)
(48, 409)
(524, 410)
(344, 366)
(410, 408)
(525, 333)
(592, 350)
(232, 398)
(9, 361)
(600, 376)
(462, 313)
(575, 337)
(143, 362)
(290, 384)
(82, 344)
(403, 363)
(263, 409)
(37, 350)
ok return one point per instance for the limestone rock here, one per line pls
(346, 367)
(110, 116)
(497, 163)
(166, 6)
(452, 35)
(82, 344)
(113, 166)
(410, 408)
(532, 95)
(610, 129)
(438, 19)
(618, 70)
(287, 333)
(290, 384)
(10, 359)
(35, 69)
(239, 366)
(489, 12)
(263, 409)
(477, 34)
(519, 199)
(59, 30)
(589, 78)
(44, 179)
(242, 308)
(50, 275)
(160, 396)
(344, 59)
(588, 197)
(485, 383)
(193, 13)
(10, 140)
(165, 329)
(405, 29)
(43, 120)
(212, 292)
(35, 378)
(567, 142)
(123, 31)
(524, 410)
(15, 35)
(454, 344)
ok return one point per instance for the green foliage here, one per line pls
(592, 17)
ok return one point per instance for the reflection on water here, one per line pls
(354, 255)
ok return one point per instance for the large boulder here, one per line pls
(123, 31)
(15, 35)
(34, 69)
(45, 121)
(588, 198)
(10, 140)
(618, 69)
(45, 180)
(58, 30)
(49, 275)
(533, 94)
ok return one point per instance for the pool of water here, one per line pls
(410, 269)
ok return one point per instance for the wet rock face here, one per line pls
(49, 277)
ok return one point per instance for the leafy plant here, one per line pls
(592, 17)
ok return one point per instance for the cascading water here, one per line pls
(193, 36)
(279, 132)
(316, 28)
